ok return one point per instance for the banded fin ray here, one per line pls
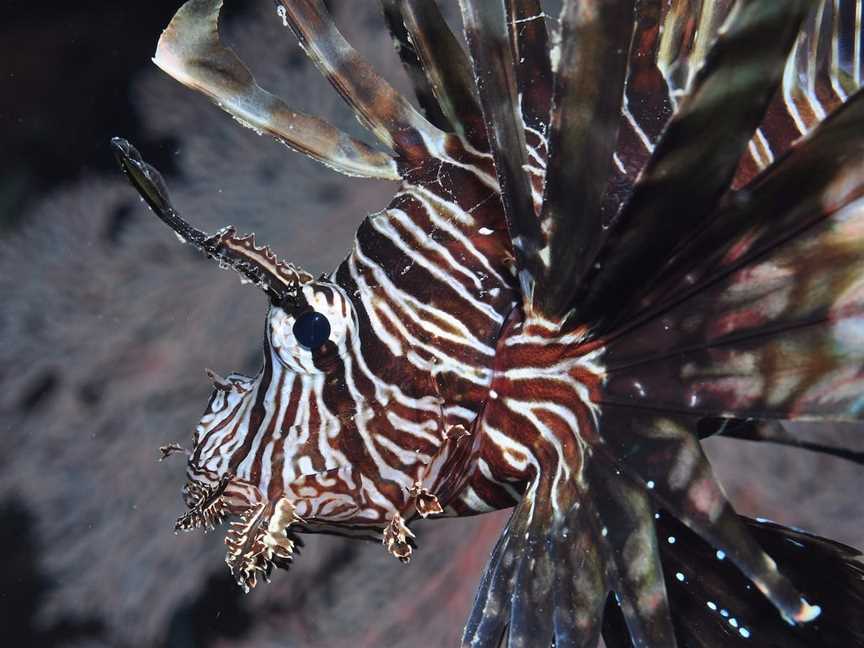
(390, 117)
(410, 57)
(645, 110)
(589, 86)
(681, 183)
(440, 67)
(670, 44)
(822, 72)
(759, 334)
(529, 42)
(689, 30)
(813, 179)
(190, 50)
(485, 23)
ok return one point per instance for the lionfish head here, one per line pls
(281, 411)
(275, 450)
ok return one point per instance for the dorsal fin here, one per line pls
(392, 119)
(190, 51)
(589, 87)
(438, 64)
(494, 69)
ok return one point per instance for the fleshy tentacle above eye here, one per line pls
(190, 51)
(279, 280)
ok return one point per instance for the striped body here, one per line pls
(417, 308)
(542, 410)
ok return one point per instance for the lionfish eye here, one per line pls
(312, 329)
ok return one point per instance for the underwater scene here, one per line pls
(563, 323)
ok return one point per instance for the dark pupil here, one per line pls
(312, 329)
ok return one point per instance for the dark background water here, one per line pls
(66, 70)
(106, 325)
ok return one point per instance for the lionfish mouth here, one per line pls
(264, 536)
(260, 540)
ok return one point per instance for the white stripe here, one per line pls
(415, 429)
(386, 229)
(419, 312)
(384, 469)
(426, 240)
(425, 198)
(790, 74)
(473, 501)
(646, 142)
(839, 90)
(487, 474)
(517, 456)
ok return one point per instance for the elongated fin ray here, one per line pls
(664, 455)
(581, 583)
(191, 52)
(589, 88)
(489, 43)
(815, 178)
(627, 517)
(585, 555)
(646, 110)
(713, 605)
(690, 29)
(447, 68)
(410, 58)
(545, 579)
(682, 183)
(670, 43)
(385, 112)
(767, 336)
(533, 582)
(529, 42)
(775, 432)
(821, 73)
(487, 623)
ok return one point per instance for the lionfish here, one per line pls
(611, 238)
